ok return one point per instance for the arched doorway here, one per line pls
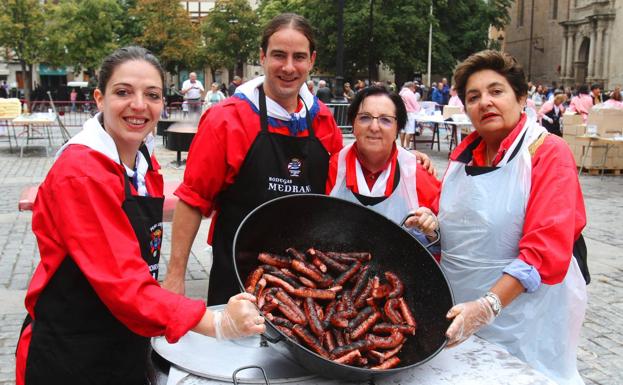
(581, 64)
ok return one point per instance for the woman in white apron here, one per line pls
(510, 211)
(376, 173)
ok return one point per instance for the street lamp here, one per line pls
(430, 42)
(371, 45)
(339, 67)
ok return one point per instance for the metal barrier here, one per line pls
(74, 114)
(71, 114)
(340, 114)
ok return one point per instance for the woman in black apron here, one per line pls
(94, 301)
(551, 114)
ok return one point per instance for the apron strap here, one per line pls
(264, 114)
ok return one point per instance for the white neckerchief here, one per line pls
(378, 189)
(250, 92)
(94, 136)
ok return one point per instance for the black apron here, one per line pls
(75, 338)
(276, 165)
(553, 127)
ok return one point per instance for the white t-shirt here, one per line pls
(194, 89)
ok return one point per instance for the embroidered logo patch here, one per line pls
(156, 240)
(294, 167)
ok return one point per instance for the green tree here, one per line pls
(399, 34)
(230, 35)
(23, 32)
(73, 36)
(167, 31)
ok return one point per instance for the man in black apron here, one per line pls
(274, 164)
(293, 164)
(75, 338)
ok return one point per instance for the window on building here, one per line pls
(197, 9)
(520, 11)
(554, 9)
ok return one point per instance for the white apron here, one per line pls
(399, 203)
(481, 219)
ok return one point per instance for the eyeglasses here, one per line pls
(385, 121)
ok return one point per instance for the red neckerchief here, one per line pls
(371, 178)
(479, 155)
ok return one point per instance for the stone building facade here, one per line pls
(569, 42)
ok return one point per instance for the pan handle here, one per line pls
(234, 376)
(402, 224)
(273, 340)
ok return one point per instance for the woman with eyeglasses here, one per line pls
(376, 173)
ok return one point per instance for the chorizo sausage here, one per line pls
(286, 331)
(276, 320)
(381, 291)
(329, 262)
(341, 257)
(294, 314)
(365, 293)
(253, 278)
(348, 274)
(378, 342)
(259, 287)
(390, 353)
(277, 281)
(339, 321)
(313, 293)
(388, 364)
(312, 317)
(294, 253)
(391, 311)
(398, 287)
(360, 283)
(364, 326)
(406, 312)
(357, 345)
(359, 318)
(289, 301)
(274, 260)
(359, 256)
(307, 282)
(312, 273)
(309, 340)
(387, 328)
(330, 310)
(339, 337)
(268, 269)
(348, 358)
(328, 339)
(319, 264)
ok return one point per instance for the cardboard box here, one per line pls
(574, 130)
(595, 156)
(608, 121)
(448, 111)
(571, 119)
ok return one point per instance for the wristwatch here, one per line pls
(494, 301)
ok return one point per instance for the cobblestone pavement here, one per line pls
(600, 355)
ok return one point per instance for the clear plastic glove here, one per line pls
(239, 319)
(425, 221)
(548, 119)
(469, 317)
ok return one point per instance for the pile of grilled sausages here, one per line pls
(332, 303)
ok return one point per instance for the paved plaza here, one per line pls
(601, 350)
